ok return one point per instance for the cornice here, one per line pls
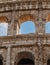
(25, 36)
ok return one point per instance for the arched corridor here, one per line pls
(25, 58)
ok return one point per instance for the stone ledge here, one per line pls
(26, 36)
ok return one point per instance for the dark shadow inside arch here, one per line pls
(48, 62)
(1, 63)
(26, 61)
(1, 60)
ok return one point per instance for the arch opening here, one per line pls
(27, 27)
(3, 25)
(26, 24)
(3, 29)
(48, 62)
(25, 58)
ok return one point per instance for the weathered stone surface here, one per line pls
(35, 46)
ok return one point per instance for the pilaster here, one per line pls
(8, 55)
(40, 48)
(11, 26)
(40, 17)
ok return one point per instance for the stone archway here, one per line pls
(23, 18)
(25, 58)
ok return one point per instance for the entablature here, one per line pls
(29, 39)
(24, 5)
(30, 36)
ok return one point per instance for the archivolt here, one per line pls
(26, 17)
(24, 54)
(3, 19)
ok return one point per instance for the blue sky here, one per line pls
(47, 27)
(3, 29)
(25, 28)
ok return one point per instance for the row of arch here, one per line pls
(26, 22)
(25, 28)
(24, 58)
(30, 27)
